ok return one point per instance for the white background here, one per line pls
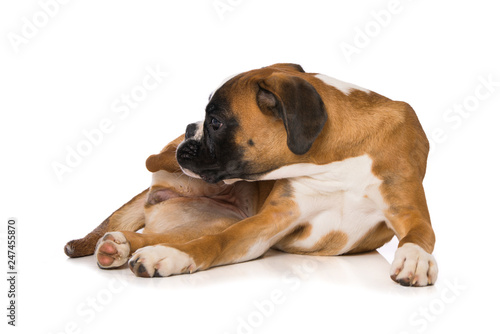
(70, 73)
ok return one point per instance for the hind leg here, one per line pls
(114, 248)
(130, 217)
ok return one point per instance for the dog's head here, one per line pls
(255, 122)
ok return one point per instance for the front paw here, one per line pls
(413, 266)
(160, 261)
(112, 250)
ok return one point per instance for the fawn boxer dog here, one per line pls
(284, 159)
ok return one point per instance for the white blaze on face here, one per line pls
(197, 137)
(199, 131)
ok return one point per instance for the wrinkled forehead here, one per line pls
(234, 84)
(220, 100)
(221, 84)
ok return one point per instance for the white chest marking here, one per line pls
(341, 196)
(344, 87)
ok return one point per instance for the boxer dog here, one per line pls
(294, 161)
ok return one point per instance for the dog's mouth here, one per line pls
(210, 177)
(190, 173)
(215, 176)
(215, 173)
(204, 159)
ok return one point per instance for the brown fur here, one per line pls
(220, 224)
(330, 244)
(130, 217)
(375, 238)
(361, 123)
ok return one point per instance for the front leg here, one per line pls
(115, 248)
(243, 241)
(160, 261)
(414, 264)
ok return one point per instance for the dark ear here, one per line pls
(298, 104)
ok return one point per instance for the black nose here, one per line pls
(191, 130)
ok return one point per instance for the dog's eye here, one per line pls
(215, 123)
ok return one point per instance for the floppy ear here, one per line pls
(298, 104)
(166, 159)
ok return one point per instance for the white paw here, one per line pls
(160, 261)
(112, 250)
(413, 266)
